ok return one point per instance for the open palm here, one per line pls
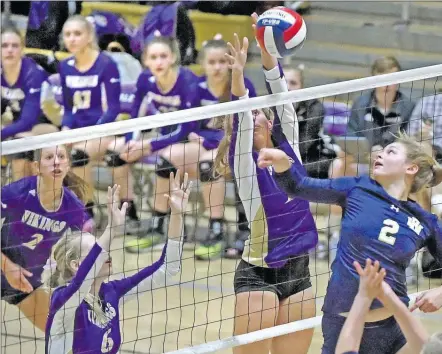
(238, 55)
(117, 215)
(178, 196)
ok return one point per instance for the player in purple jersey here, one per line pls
(379, 222)
(164, 87)
(21, 81)
(84, 312)
(214, 87)
(91, 89)
(36, 212)
(273, 274)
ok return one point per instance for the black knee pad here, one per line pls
(113, 159)
(207, 171)
(27, 155)
(79, 158)
(164, 168)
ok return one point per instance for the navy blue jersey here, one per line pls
(280, 227)
(212, 136)
(22, 98)
(72, 325)
(91, 97)
(150, 100)
(374, 225)
(29, 231)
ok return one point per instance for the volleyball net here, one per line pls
(194, 313)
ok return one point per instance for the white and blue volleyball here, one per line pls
(281, 31)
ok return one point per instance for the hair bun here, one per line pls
(301, 67)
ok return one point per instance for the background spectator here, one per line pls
(316, 152)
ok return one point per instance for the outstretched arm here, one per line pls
(158, 274)
(412, 328)
(369, 287)
(241, 152)
(73, 294)
(285, 124)
(290, 176)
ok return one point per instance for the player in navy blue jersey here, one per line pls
(21, 81)
(84, 311)
(91, 90)
(36, 212)
(371, 286)
(272, 281)
(379, 222)
(214, 87)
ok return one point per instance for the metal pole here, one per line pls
(405, 16)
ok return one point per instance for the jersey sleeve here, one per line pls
(31, 109)
(295, 183)
(154, 276)
(242, 163)
(70, 296)
(434, 244)
(285, 124)
(112, 86)
(8, 200)
(250, 87)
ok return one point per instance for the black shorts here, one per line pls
(13, 296)
(288, 280)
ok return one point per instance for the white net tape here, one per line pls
(152, 122)
(252, 337)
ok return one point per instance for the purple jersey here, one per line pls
(29, 231)
(22, 99)
(91, 97)
(150, 100)
(73, 326)
(212, 137)
(374, 225)
(280, 227)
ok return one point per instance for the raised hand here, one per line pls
(371, 278)
(238, 56)
(178, 196)
(116, 215)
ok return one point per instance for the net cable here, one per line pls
(200, 113)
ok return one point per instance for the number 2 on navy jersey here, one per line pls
(82, 99)
(388, 231)
(107, 344)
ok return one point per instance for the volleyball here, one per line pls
(281, 31)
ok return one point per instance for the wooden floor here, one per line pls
(196, 308)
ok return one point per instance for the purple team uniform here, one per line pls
(282, 230)
(22, 98)
(149, 100)
(212, 137)
(29, 231)
(376, 226)
(91, 97)
(72, 325)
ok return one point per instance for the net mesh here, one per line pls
(194, 313)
